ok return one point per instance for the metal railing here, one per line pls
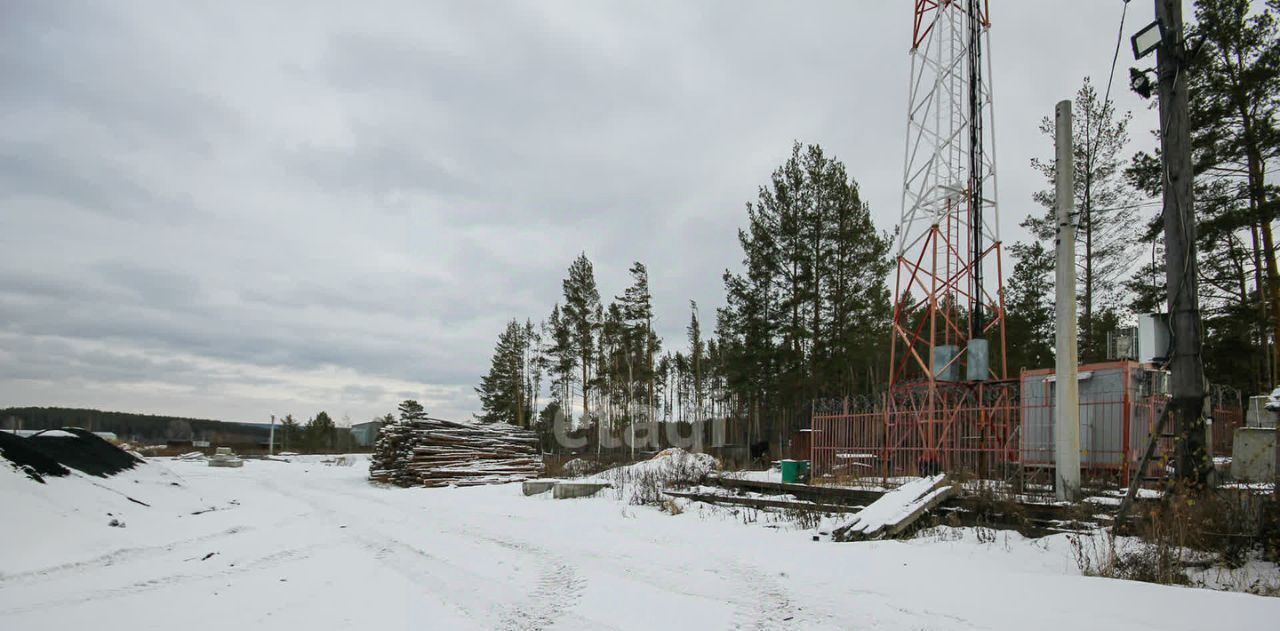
(1010, 440)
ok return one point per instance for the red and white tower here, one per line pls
(948, 406)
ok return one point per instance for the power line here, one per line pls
(1107, 107)
(1129, 206)
(1106, 99)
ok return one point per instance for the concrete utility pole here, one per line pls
(271, 440)
(1066, 426)
(1186, 388)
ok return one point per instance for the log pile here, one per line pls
(434, 452)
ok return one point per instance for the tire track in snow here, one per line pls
(473, 597)
(115, 557)
(164, 582)
(427, 571)
(773, 606)
(137, 553)
(933, 618)
(768, 604)
(557, 589)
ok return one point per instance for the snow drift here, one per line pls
(643, 482)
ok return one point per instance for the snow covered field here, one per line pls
(302, 545)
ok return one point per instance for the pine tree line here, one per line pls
(807, 317)
(809, 314)
(319, 433)
(600, 363)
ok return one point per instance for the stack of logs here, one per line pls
(434, 452)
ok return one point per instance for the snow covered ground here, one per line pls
(302, 545)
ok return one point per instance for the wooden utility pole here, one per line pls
(1186, 388)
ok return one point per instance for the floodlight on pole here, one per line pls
(1147, 40)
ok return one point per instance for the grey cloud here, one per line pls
(35, 170)
(59, 360)
(364, 394)
(155, 309)
(379, 168)
(93, 61)
(150, 285)
(225, 198)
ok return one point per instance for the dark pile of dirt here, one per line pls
(85, 451)
(69, 447)
(35, 464)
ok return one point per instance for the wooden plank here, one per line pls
(893, 529)
(832, 494)
(760, 502)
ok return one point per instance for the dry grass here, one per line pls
(644, 485)
(1189, 537)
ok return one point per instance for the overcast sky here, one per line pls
(233, 209)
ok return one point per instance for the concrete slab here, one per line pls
(534, 487)
(1256, 413)
(567, 490)
(1253, 454)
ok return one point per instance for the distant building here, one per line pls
(363, 434)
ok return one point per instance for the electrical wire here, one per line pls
(1106, 103)
(1130, 206)
(1177, 203)
(1106, 99)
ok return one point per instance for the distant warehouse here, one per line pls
(363, 434)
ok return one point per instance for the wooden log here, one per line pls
(437, 452)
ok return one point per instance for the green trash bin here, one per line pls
(795, 471)
(790, 468)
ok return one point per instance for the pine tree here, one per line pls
(637, 312)
(662, 379)
(808, 316)
(411, 410)
(320, 432)
(503, 391)
(1234, 85)
(580, 316)
(562, 359)
(696, 352)
(1234, 88)
(1104, 201)
(534, 363)
(292, 432)
(1029, 311)
(601, 373)
(855, 261)
(546, 425)
(713, 382)
(640, 345)
(612, 385)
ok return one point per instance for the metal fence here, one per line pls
(894, 443)
(1011, 438)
